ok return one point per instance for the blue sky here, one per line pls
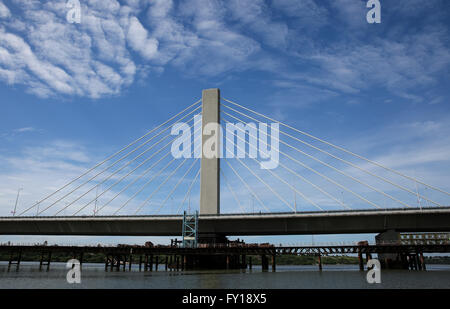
(70, 94)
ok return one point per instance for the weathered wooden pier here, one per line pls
(409, 256)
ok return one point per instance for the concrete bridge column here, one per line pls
(389, 260)
(209, 177)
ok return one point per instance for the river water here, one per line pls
(285, 277)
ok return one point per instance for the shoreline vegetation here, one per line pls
(256, 260)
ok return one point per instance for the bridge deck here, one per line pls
(327, 222)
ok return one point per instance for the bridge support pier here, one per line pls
(209, 171)
(319, 260)
(389, 260)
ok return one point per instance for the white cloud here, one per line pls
(25, 129)
(95, 58)
(50, 56)
(138, 39)
(117, 43)
(4, 11)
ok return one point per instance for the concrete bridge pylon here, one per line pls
(210, 160)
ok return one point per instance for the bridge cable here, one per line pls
(362, 169)
(117, 182)
(285, 182)
(327, 178)
(104, 180)
(267, 185)
(108, 158)
(232, 191)
(189, 190)
(137, 179)
(176, 186)
(340, 148)
(331, 180)
(167, 179)
(149, 181)
(340, 159)
(332, 167)
(245, 184)
(108, 177)
(132, 171)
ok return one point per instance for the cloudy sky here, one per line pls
(73, 93)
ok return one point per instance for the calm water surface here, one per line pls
(286, 277)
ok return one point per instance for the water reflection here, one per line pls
(304, 276)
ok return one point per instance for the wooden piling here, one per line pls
(48, 260)
(360, 260)
(81, 260)
(10, 260)
(320, 262)
(422, 261)
(146, 262)
(41, 261)
(264, 263)
(243, 262)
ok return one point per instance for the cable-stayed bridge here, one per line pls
(259, 176)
